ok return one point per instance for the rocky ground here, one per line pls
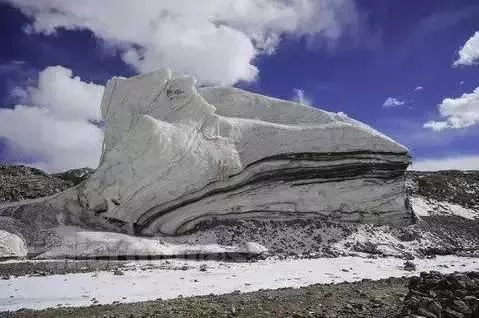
(60, 267)
(450, 234)
(431, 295)
(454, 186)
(55, 267)
(362, 299)
(435, 295)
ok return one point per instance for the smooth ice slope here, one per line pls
(174, 157)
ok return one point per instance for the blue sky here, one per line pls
(368, 52)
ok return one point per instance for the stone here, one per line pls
(426, 313)
(118, 272)
(435, 307)
(460, 293)
(461, 307)
(449, 313)
(471, 299)
(409, 266)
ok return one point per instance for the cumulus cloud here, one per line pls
(216, 40)
(419, 88)
(300, 97)
(460, 112)
(448, 163)
(57, 127)
(18, 94)
(469, 53)
(393, 102)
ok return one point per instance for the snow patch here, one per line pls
(429, 207)
(144, 282)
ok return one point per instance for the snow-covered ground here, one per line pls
(423, 206)
(145, 282)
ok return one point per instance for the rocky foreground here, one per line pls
(435, 295)
(446, 198)
(430, 295)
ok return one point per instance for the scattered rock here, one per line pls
(426, 313)
(449, 313)
(409, 266)
(461, 307)
(436, 295)
(117, 271)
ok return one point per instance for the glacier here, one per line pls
(176, 157)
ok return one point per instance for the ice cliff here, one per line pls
(175, 156)
(177, 159)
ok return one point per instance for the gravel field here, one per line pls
(52, 267)
(366, 298)
(430, 295)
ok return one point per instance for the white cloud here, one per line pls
(460, 112)
(419, 88)
(216, 40)
(436, 125)
(66, 96)
(18, 94)
(469, 53)
(393, 102)
(57, 128)
(300, 97)
(448, 163)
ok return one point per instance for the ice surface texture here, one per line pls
(175, 156)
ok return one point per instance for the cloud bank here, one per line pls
(58, 127)
(460, 112)
(217, 40)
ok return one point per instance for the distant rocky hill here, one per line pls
(22, 182)
(74, 176)
(453, 186)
